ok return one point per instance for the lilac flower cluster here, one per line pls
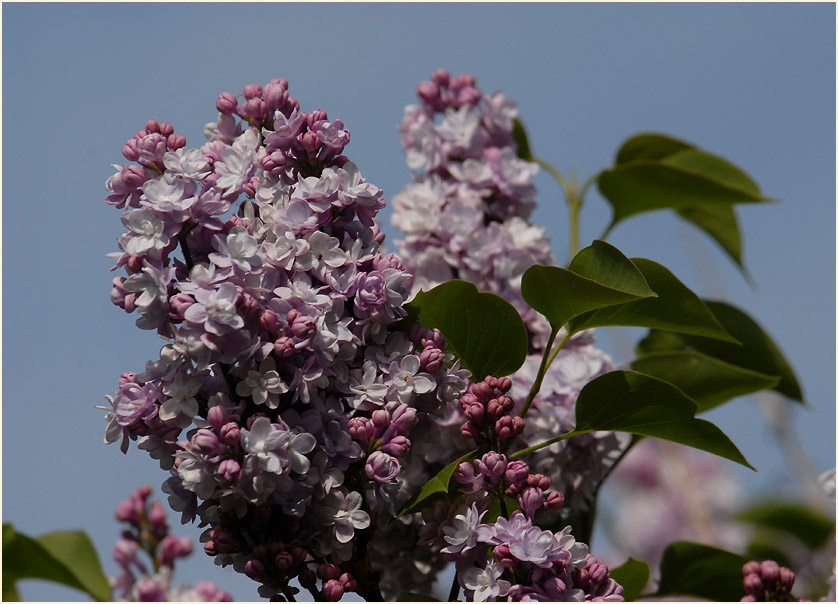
(283, 401)
(516, 559)
(465, 216)
(767, 581)
(465, 213)
(148, 531)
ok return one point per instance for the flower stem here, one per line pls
(455, 588)
(546, 361)
(546, 443)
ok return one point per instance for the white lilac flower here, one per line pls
(344, 513)
(216, 309)
(147, 231)
(169, 193)
(238, 163)
(238, 248)
(263, 386)
(267, 443)
(318, 192)
(182, 404)
(462, 533)
(369, 393)
(189, 163)
(153, 282)
(459, 127)
(407, 379)
(486, 582)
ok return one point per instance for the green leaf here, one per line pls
(409, 596)
(708, 381)
(627, 401)
(676, 308)
(438, 485)
(599, 276)
(701, 571)
(654, 171)
(519, 134)
(757, 351)
(66, 557)
(483, 330)
(810, 526)
(649, 146)
(633, 575)
(721, 224)
(762, 548)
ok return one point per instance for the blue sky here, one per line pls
(752, 82)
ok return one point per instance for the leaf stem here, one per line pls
(546, 360)
(554, 172)
(546, 443)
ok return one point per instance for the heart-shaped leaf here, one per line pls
(757, 351)
(599, 276)
(701, 571)
(676, 308)
(436, 486)
(708, 381)
(483, 330)
(66, 557)
(627, 401)
(633, 575)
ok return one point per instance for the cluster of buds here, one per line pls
(487, 410)
(493, 472)
(148, 531)
(258, 104)
(767, 581)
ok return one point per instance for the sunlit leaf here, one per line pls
(627, 401)
(599, 276)
(438, 485)
(708, 381)
(676, 308)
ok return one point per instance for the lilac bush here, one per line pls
(323, 431)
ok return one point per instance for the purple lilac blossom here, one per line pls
(281, 323)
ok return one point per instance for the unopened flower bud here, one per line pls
(178, 305)
(333, 590)
(403, 418)
(431, 359)
(129, 150)
(166, 129)
(254, 569)
(470, 430)
(230, 434)
(129, 377)
(251, 91)
(539, 481)
(284, 561)
(149, 590)
(441, 77)
(284, 347)
(256, 108)
(553, 500)
(750, 567)
(175, 142)
(230, 470)
(327, 570)
(492, 465)
(381, 418)
(465, 474)
(157, 515)
(382, 467)
(348, 581)
(503, 555)
(482, 391)
(152, 126)
(475, 412)
(530, 500)
(226, 103)
(398, 446)
(753, 584)
(361, 429)
(206, 442)
(309, 142)
(786, 578)
(269, 320)
(509, 427)
(217, 416)
(769, 570)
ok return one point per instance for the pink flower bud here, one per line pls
(441, 77)
(254, 569)
(152, 126)
(268, 319)
(230, 434)
(178, 305)
(275, 95)
(206, 442)
(327, 570)
(530, 500)
(256, 108)
(509, 427)
(381, 418)
(494, 409)
(470, 430)
(492, 465)
(149, 590)
(361, 429)
(769, 570)
(403, 419)
(134, 264)
(333, 590)
(157, 514)
(284, 561)
(503, 556)
(166, 129)
(226, 103)
(382, 467)
(516, 472)
(230, 470)
(752, 584)
(553, 500)
(128, 377)
(539, 481)
(126, 512)
(750, 567)
(482, 391)
(129, 150)
(348, 581)
(217, 416)
(431, 359)
(398, 446)
(309, 142)
(284, 347)
(786, 578)
(251, 91)
(175, 141)
(464, 474)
